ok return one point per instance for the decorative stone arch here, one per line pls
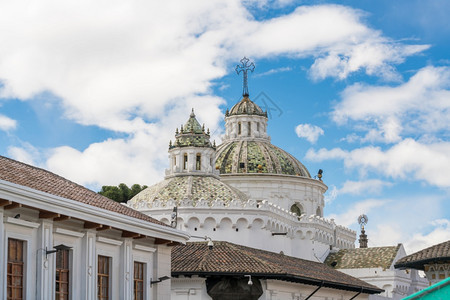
(226, 223)
(165, 221)
(241, 224)
(180, 222)
(297, 209)
(209, 223)
(193, 223)
(257, 224)
(299, 234)
(319, 212)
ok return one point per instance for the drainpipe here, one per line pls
(356, 294)
(321, 284)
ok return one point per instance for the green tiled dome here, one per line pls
(246, 107)
(195, 188)
(257, 157)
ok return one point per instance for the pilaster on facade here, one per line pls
(126, 270)
(162, 267)
(45, 263)
(89, 265)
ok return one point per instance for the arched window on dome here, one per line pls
(198, 162)
(239, 128)
(249, 128)
(319, 212)
(185, 161)
(296, 210)
(257, 127)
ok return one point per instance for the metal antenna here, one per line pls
(244, 67)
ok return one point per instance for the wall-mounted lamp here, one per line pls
(57, 248)
(250, 282)
(159, 280)
(206, 238)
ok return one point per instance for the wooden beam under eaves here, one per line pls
(48, 215)
(173, 244)
(13, 205)
(141, 236)
(161, 241)
(129, 234)
(4, 202)
(104, 227)
(92, 225)
(61, 218)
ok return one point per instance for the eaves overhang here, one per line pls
(78, 210)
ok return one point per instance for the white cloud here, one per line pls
(331, 194)
(393, 221)
(309, 132)
(350, 216)
(440, 233)
(419, 106)
(363, 187)
(110, 62)
(25, 154)
(408, 159)
(140, 157)
(274, 71)
(7, 123)
(135, 67)
(325, 154)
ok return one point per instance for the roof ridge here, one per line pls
(44, 181)
(48, 172)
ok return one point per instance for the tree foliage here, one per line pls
(121, 193)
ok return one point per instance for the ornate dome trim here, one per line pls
(245, 156)
(246, 107)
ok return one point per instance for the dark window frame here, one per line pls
(62, 275)
(103, 272)
(16, 262)
(139, 280)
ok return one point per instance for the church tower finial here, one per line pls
(244, 67)
(362, 220)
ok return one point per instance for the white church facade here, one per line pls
(249, 194)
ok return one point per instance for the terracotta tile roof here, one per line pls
(360, 258)
(230, 259)
(45, 181)
(433, 254)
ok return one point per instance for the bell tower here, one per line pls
(192, 152)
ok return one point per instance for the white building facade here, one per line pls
(62, 241)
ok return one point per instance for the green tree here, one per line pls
(121, 193)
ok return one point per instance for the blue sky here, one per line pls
(93, 91)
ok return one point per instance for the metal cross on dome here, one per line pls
(244, 67)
